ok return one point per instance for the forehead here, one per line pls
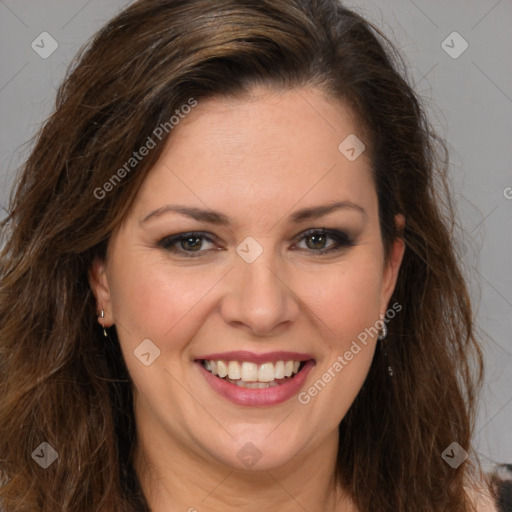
(265, 150)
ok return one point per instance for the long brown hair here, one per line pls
(63, 383)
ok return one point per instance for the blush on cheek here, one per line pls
(350, 316)
(160, 307)
(348, 300)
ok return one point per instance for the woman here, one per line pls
(228, 279)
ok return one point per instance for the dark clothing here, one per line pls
(502, 481)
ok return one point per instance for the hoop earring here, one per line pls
(102, 315)
(382, 339)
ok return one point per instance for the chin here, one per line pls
(255, 453)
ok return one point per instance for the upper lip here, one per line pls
(251, 357)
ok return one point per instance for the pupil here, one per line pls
(196, 243)
(318, 245)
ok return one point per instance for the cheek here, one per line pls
(153, 300)
(346, 298)
(348, 303)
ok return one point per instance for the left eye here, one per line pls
(319, 238)
(190, 243)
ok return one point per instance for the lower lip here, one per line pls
(257, 397)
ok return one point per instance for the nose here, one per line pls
(258, 297)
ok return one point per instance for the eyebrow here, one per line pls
(218, 218)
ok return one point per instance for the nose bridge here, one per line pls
(257, 296)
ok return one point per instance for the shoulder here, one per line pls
(483, 501)
(496, 494)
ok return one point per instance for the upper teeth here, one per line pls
(252, 372)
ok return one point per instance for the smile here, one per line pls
(251, 375)
(248, 379)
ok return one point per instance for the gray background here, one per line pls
(468, 98)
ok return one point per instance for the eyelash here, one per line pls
(342, 241)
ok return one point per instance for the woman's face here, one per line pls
(250, 283)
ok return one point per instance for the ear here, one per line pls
(98, 281)
(393, 264)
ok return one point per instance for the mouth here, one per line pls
(255, 380)
(251, 375)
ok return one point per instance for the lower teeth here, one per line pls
(252, 385)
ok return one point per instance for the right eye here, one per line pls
(189, 243)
